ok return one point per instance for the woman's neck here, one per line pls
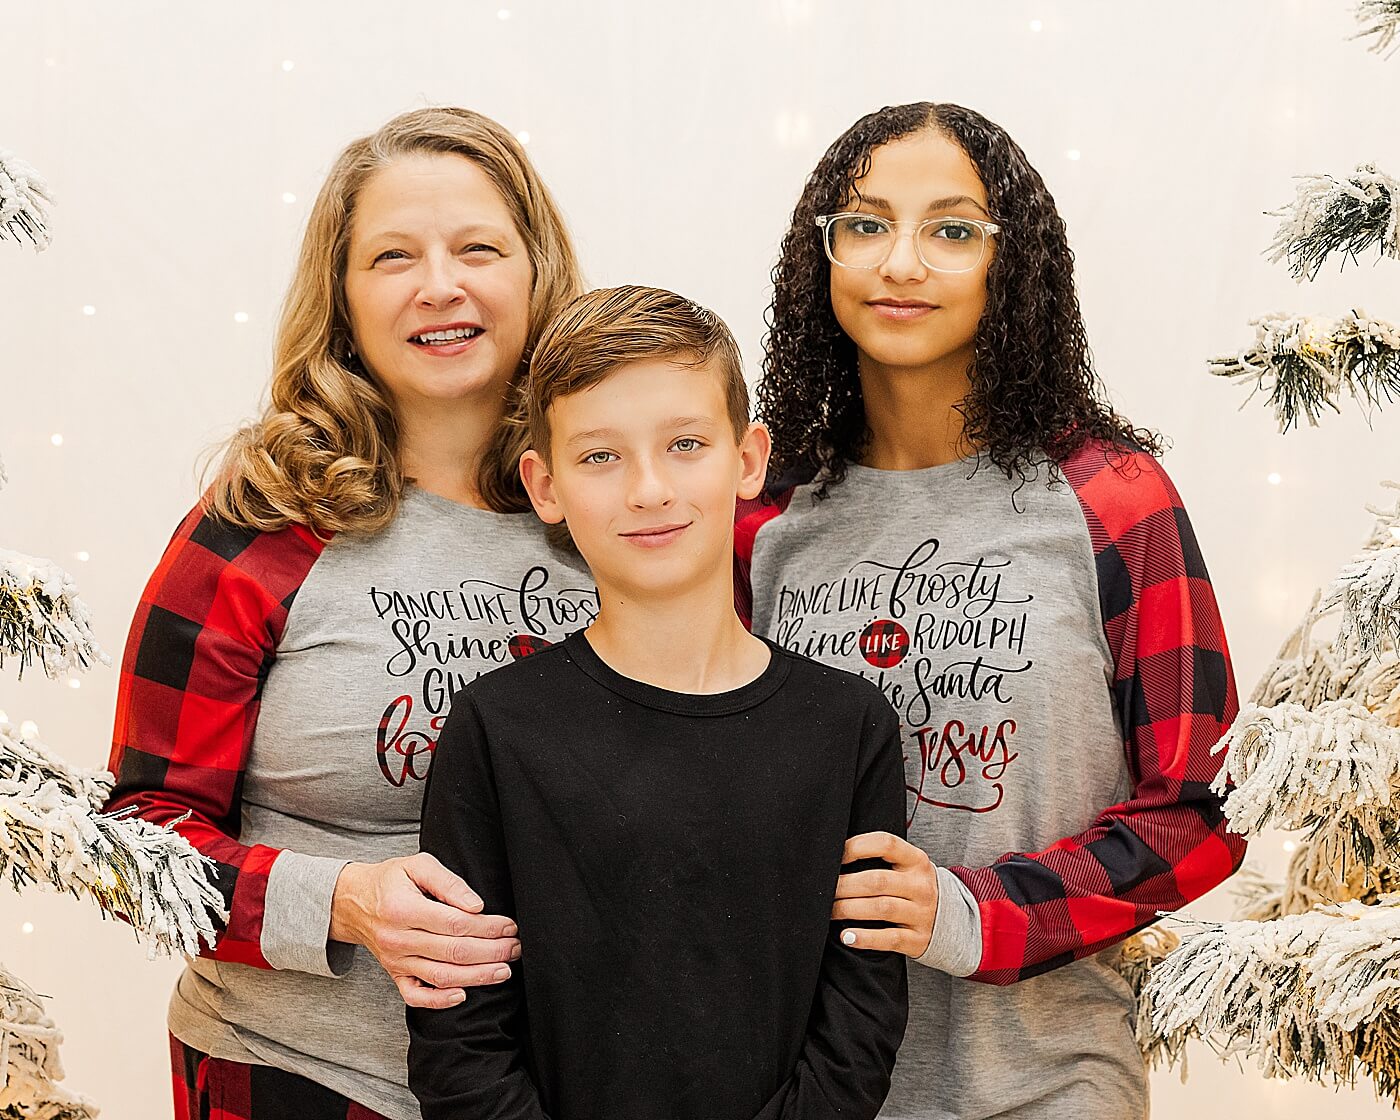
(913, 415)
(441, 446)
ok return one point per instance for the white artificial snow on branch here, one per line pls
(43, 618)
(1380, 18)
(1368, 591)
(1304, 363)
(1313, 994)
(1330, 770)
(51, 832)
(24, 202)
(29, 1062)
(1345, 216)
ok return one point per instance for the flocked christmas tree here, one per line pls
(52, 832)
(1307, 982)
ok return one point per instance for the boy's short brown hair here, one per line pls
(599, 332)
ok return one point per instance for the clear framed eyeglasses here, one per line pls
(855, 240)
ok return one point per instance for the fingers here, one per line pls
(885, 908)
(870, 884)
(436, 881)
(403, 907)
(464, 950)
(887, 940)
(443, 976)
(885, 846)
(418, 994)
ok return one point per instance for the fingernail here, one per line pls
(458, 996)
(515, 953)
(501, 973)
(511, 930)
(849, 937)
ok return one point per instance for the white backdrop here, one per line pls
(185, 143)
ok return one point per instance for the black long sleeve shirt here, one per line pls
(671, 861)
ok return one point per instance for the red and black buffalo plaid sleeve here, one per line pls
(204, 636)
(1175, 694)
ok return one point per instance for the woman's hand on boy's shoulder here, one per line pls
(904, 895)
(425, 927)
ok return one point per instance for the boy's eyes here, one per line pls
(684, 445)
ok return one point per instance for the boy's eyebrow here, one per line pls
(949, 203)
(674, 422)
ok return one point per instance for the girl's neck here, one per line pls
(913, 415)
(441, 445)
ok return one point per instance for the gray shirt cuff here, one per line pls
(297, 916)
(956, 945)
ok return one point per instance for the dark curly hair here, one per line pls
(1034, 390)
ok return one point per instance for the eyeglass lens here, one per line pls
(944, 244)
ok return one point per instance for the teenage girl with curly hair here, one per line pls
(955, 511)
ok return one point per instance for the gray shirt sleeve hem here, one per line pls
(297, 916)
(956, 945)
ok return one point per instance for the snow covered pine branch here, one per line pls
(24, 202)
(1381, 19)
(1304, 363)
(43, 618)
(30, 1068)
(51, 832)
(1330, 215)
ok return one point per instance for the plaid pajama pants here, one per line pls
(214, 1089)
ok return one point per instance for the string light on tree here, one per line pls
(56, 439)
(1073, 154)
(240, 316)
(523, 136)
(288, 66)
(1037, 25)
(288, 197)
(88, 309)
(1275, 478)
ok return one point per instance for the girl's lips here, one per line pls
(656, 540)
(451, 350)
(900, 312)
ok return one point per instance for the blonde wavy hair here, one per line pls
(325, 452)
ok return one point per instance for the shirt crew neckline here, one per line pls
(966, 465)
(681, 703)
(416, 493)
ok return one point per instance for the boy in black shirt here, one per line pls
(660, 801)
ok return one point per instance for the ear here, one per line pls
(754, 449)
(539, 484)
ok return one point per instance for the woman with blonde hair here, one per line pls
(364, 550)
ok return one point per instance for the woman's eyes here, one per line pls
(953, 231)
(868, 227)
(476, 249)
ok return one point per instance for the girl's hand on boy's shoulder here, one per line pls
(904, 895)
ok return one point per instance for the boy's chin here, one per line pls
(656, 574)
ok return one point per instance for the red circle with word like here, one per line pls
(884, 643)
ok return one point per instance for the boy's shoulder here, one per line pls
(535, 664)
(838, 687)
